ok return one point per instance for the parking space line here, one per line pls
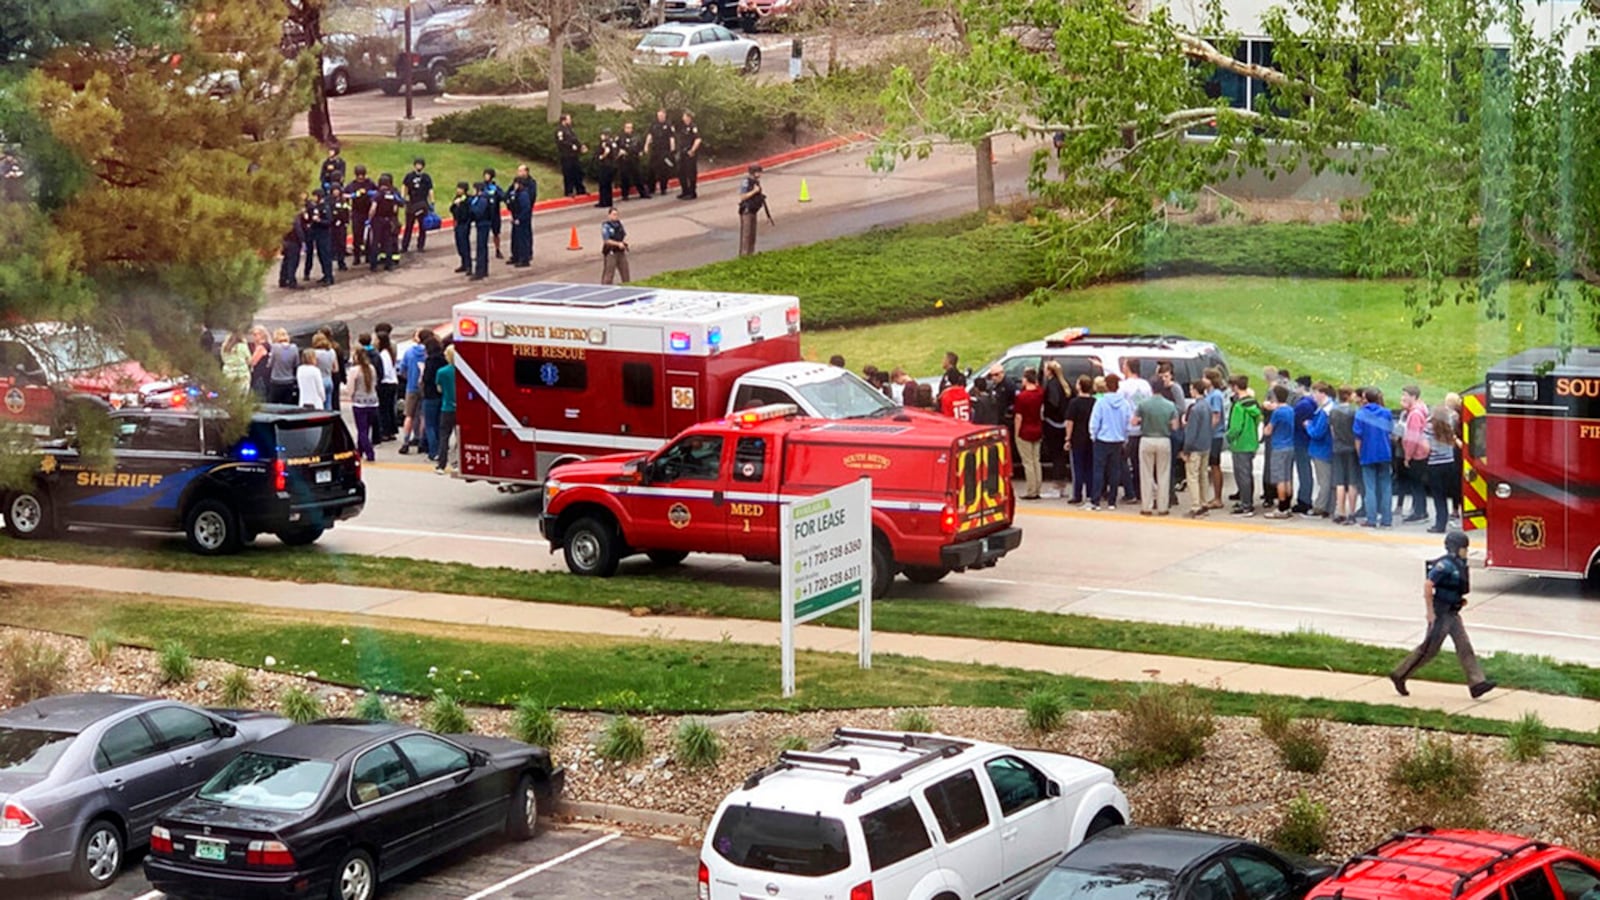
(153, 895)
(542, 867)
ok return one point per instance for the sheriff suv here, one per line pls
(1428, 864)
(904, 816)
(293, 473)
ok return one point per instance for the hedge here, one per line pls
(521, 74)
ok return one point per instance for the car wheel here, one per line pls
(437, 76)
(882, 569)
(300, 537)
(1105, 818)
(212, 528)
(390, 89)
(340, 83)
(591, 548)
(99, 857)
(522, 821)
(752, 61)
(667, 557)
(355, 879)
(925, 574)
(29, 515)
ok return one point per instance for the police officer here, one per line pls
(293, 240)
(658, 147)
(332, 168)
(1444, 593)
(360, 192)
(341, 223)
(482, 215)
(524, 192)
(751, 201)
(320, 219)
(630, 150)
(613, 249)
(570, 150)
(386, 204)
(687, 142)
(461, 215)
(605, 159)
(419, 200)
(497, 199)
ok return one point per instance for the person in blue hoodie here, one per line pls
(1281, 434)
(1108, 426)
(1373, 426)
(1304, 408)
(1319, 446)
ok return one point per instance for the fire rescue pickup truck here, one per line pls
(549, 373)
(940, 498)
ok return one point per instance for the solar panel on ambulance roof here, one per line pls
(589, 295)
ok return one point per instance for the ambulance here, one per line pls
(550, 373)
(1531, 464)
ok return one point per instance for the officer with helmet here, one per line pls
(1445, 593)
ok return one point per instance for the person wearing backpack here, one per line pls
(1444, 593)
(1244, 438)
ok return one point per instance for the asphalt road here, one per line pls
(567, 862)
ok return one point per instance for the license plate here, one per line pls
(211, 851)
(325, 476)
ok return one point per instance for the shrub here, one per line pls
(732, 112)
(102, 646)
(623, 741)
(299, 705)
(1043, 711)
(1274, 718)
(237, 690)
(914, 720)
(793, 742)
(1303, 747)
(372, 708)
(533, 723)
(1525, 742)
(35, 669)
(1437, 782)
(174, 663)
(1163, 805)
(695, 745)
(1304, 827)
(1584, 797)
(445, 715)
(523, 73)
(1161, 726)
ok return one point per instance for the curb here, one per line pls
(448, 98)
(626, 815)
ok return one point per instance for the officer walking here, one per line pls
(605, 159)
(332, 168)
(419, 200)
(461, 215)
(570, 151)
(497, 198)
(752, 200)
(386, 204)
(360, 191)
(688, 144)
(482, 214)
(524, 192)
(630, 150)
(613, 249)
(1444, 593)
(658, 147)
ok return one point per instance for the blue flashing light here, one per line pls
(714, 336)
(679, 341)
(248, 451)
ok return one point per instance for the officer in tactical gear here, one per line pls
(1444, 593)
(605, 160)
(385, 240)
(461, 213)
(419, 200)
(570, 151)
(360, 191)
(332, 168)
(630, 151)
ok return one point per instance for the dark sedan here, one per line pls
(82, 776)
(336, 807)
(1174, 864)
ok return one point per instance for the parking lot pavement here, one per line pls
(567, 862)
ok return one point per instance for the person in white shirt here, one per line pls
(309, 376)
(1135, 389)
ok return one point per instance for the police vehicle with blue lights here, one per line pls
(294, 473)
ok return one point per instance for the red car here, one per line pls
(1429, 864)
(41, 362)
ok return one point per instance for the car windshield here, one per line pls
(846, 397)
(72, 349)
(666, 39)
(1076, 884)
(321, 438)
(24, 751)
(261, 781)
(774, 841)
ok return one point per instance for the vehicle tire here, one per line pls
(752, 61)
(30, 514)
(437, 76)
(99, 857)
(212, 528)
(301, 537)
(339, 84)
(356, 878)
(390, 89)
(882, 569)
(522, 820)
(590, 547)
(667, 557)
(926, 574)
(1105, 818)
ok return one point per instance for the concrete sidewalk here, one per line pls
(1503, 705)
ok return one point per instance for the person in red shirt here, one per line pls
(954, 401)
(1028, 427)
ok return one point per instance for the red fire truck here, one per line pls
(1532, 463)
(548, 373)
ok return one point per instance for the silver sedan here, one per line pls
(688, 43)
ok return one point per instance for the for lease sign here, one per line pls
(827, 563)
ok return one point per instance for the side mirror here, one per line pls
(227, 729)
(1052, 788)
(479, 759)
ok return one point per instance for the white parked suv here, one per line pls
(892, 816)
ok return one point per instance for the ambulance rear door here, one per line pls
(1528, 457)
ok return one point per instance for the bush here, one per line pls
(372, 708)
(1274, 718)
(522, 74)
(794, 743)
(444, 715)
(734, 113)
(102, 646)
(174, 663)
(299, 705)
(623, 741)
(35, 669)
(1525, 742)
(1584, 797)
(1043, 711)
(1304, 827)
(1437, 782)
(914, 720)
(1161, 726)
(237, 690)
(695, 745)
(1303, 747)
(533, 723)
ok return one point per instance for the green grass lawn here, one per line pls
(447, 163)
(1350, 331)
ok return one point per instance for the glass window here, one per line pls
(894, 833)
(1577, 881)
(1261, 879)
(722, 34)
(562, 374)
(846, 396)
(168, 434)
(260, 781)
(431, 757)
(319, 438)
(791, 843)
(750, 459)
(957, 804)
(1533, 886)
(24, 751)
(378, 773)
(697, 457)
(665, 39)
(751, 396)
(1013, 367)
(123, 743)
(1017, 784)
(638, 384)
(178, 726)
(1076, 884)
(1212, 884)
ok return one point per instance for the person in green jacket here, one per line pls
(446, 380)
(1244, 438)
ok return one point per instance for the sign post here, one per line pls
(827, 564)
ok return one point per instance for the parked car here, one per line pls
(1083, 352)
(678, 44)
(725, 12)
(755, 15)
(1430, 864)
(82, 776)
(351, 62)
(904, 817)
(336, 807)
(441, 45)
(1175, 864)
(41, 363)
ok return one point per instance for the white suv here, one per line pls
(892, 816)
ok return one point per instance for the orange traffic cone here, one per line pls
(572, 243)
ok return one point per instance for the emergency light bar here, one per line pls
(1065, 336)
(765, 413)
